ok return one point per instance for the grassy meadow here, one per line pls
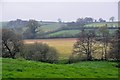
(19, 68)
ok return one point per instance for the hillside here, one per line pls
(55, 29)
(30, 69)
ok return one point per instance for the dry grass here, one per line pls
(64, 46)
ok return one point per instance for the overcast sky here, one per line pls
(51, 11)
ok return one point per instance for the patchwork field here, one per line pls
(64, 45)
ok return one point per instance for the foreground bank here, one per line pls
(17, 68)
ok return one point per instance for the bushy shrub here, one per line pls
(40, 52)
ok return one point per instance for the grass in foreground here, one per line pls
(15, 68)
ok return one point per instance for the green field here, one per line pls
(65, 33)
(109, 24)
(71, 33)
(18, 68)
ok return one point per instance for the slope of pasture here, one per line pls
(19, 68)
(97, 24)
(63, 45)
(65, 33)
(69, 33)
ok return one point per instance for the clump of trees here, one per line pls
(101, 20)
(31, 31)
(88, 44)
(80, 22)
(39, 52)
(84, 47)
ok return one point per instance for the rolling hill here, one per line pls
(55, 29)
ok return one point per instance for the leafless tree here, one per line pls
(11, 43)
(85, 44)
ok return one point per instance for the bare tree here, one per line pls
(85, 44)
(11, 43)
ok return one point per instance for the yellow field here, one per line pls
(64, 46)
